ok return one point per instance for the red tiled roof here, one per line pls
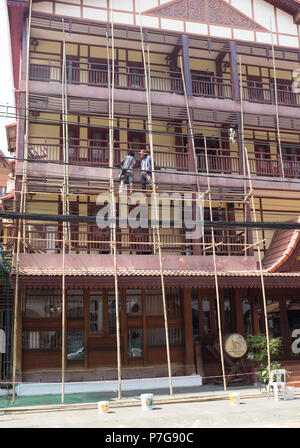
(94, 272)
(283, 244)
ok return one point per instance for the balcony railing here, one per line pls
(259, 92)
(211, 87)
(89, 239)
(86, 73)
(169, 158)
(172, 158)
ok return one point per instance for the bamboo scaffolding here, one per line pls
(66, 209)
(260, 268)
(22, 209)
(111, 84)
(215, 272)
(208, 191)
(147, 65)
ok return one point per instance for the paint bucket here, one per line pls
(147, 402)
(234, 398)
(289, 393)
(103, 407)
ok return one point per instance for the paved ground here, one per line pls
(250, 413)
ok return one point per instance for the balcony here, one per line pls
(96, 152)
(168, 158)
(132, 78)
(89, 239)
(91, 74)
(258, 92)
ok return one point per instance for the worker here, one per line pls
(146, 169)
(126, 175)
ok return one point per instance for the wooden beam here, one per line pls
(186, 64)
(188, 327)
(234, 71)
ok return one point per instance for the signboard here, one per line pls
(235, 345)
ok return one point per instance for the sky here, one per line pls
(6, 78)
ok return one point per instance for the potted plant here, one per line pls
(258, 354)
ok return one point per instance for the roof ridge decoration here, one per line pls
(216, 12)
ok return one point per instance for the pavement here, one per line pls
(209, 408)
(250, 413)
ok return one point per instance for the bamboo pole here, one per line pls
(22, 208)
(147, 71)
(111, 84)
(276, 102)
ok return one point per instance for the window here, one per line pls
(157, 336)
(134, 302)
(41, 340)
(96, 313)
(75, 304)
(43, 304)
(154, 302)
(98, 74)
(136, 78)
(75, 346)
(135, 343)
(112, 329)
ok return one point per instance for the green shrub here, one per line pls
(258, 353)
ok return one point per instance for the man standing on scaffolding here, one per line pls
(126, 171)
(146, 170)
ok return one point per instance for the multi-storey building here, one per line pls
(237, 62)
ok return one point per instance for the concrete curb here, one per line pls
(120, 404)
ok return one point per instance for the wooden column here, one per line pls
(124, 327)
(239, 294)
(254, 314)
(188, 327)
(86, 320)
(186, 64)
(234, 71)
(19, 335)
(286, 338)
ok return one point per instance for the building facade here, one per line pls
(224, 107)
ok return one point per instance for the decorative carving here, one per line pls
(212, 11)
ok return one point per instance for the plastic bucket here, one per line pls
(147, 402)
(289, 393)
(234, 398)
(103, 407)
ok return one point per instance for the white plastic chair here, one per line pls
(277, 380)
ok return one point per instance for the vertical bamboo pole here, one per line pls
(111, 86)
(276, 102)
(22, 208)
(147, 71)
